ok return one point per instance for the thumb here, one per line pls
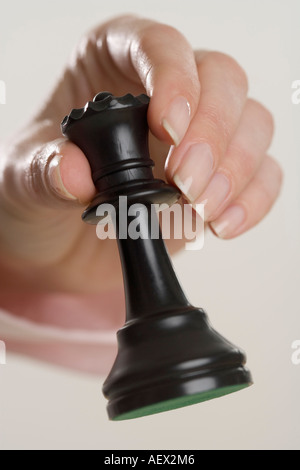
(53, 175)
(67, 173)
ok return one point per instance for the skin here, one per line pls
(47, 255)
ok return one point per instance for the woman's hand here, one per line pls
(199, 106)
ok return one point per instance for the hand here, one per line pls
(198, 105)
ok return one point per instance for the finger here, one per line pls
(68, 174)
(52, 176)
(160, 58)
(242, 160)
(223, 97)
(252, 204)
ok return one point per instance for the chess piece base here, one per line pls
(188, 362)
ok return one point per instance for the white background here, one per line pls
(249, 286)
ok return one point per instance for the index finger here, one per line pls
(161, 59)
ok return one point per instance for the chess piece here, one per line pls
(169, 355)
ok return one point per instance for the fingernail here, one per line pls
(229, 222)
(215, 194)
(194, 171)
(177, 119)
(56, 179)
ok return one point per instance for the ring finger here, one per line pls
(241, 162)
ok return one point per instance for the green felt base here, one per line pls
(179, 402)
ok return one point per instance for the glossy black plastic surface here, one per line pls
(113, 134)
(169, 355)
(167, 348)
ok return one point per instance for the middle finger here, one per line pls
(223, 96)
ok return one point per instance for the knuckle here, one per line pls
(216, 121)
(269, 180)
(158, 39)
(230, 66)
(85, 48)
(265, 116)
(165, 52)
(86, 44)
(276, 169)
(156, 32)
(244, 164)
